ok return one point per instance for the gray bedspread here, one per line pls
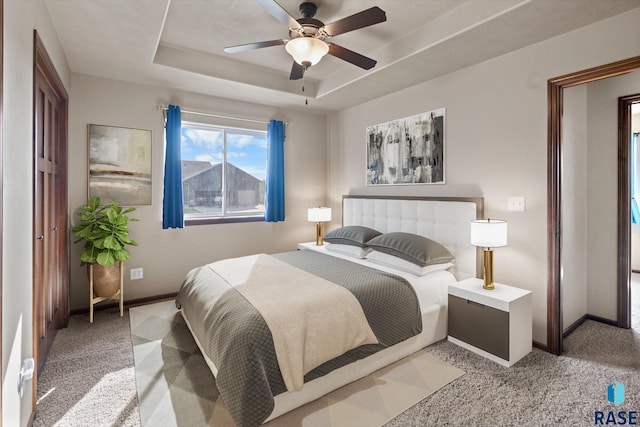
(236, 338)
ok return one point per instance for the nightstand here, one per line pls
(310, 245)
(495, 324)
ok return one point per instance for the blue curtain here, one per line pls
(172, 210)
(274, 198)
(635, 212)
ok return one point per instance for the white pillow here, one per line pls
(404, 265)
(349, 250)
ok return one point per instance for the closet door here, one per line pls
(50, 210)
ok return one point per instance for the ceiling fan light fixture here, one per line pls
(307, 51)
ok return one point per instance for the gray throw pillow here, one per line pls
(411, 247)
(354, 235)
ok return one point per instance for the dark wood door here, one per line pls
(50, 209)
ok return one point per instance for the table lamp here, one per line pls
(488, 233)
(319, 215)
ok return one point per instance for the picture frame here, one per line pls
(119, 164)
(410, 150)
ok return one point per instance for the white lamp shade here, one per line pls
(307, 49)
(489, 233)
(319, 214)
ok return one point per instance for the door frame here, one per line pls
(1, 180)
(555, 87)
(625, 167)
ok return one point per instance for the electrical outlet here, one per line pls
(515, 204)
(136, 273)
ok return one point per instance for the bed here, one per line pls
(264, 374)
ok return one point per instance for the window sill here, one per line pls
(222, 220)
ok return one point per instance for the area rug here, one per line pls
(176, 388)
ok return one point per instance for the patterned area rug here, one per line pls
(176, 387)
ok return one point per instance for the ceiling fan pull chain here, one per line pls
(306, 99)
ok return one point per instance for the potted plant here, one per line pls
(105, 231)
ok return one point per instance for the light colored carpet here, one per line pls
(176, 388)
(540, 390)
(88, 378)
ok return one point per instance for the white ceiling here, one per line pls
(179, 43)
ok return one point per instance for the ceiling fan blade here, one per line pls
(256, 45)
(371, 16)
(297, 71)
(279, 12)
(351, 56)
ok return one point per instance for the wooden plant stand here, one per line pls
(118, 296)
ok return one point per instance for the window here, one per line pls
(223, 173)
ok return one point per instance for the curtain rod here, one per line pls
(219, 116)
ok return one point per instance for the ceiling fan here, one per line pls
(309, 36)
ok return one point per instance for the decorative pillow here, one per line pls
(354, 235)
(411, 247)
(350, 250)
(403, 265)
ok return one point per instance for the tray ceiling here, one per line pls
(179, 43)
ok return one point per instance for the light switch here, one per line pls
(515, 204)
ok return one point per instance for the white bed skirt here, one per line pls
(434, 328)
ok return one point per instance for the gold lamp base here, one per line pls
(488, 270)
(319, 234)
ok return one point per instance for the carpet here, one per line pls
(88, 378)
(176, 387)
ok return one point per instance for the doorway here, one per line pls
(626, 201)
(554, 201)
(630, 115)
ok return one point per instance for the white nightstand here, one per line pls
(310, 245)
(495, 324)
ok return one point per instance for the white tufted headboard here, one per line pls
(443, 219)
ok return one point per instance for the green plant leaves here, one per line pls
(105, 231)
(106, 258)
(93, 203)
(110, 242)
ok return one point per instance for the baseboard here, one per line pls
(127, 303)
(572, 327)
(581, 320)
(602, 320)
(541, 346)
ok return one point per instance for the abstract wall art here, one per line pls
(407, 151)
(120, 164)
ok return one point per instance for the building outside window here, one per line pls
(223, 172)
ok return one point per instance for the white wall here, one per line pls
(496, 136)
(574, 205)
(167, 255)
(602, 181)
(20, 19)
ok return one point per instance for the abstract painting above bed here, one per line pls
(407, 151)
